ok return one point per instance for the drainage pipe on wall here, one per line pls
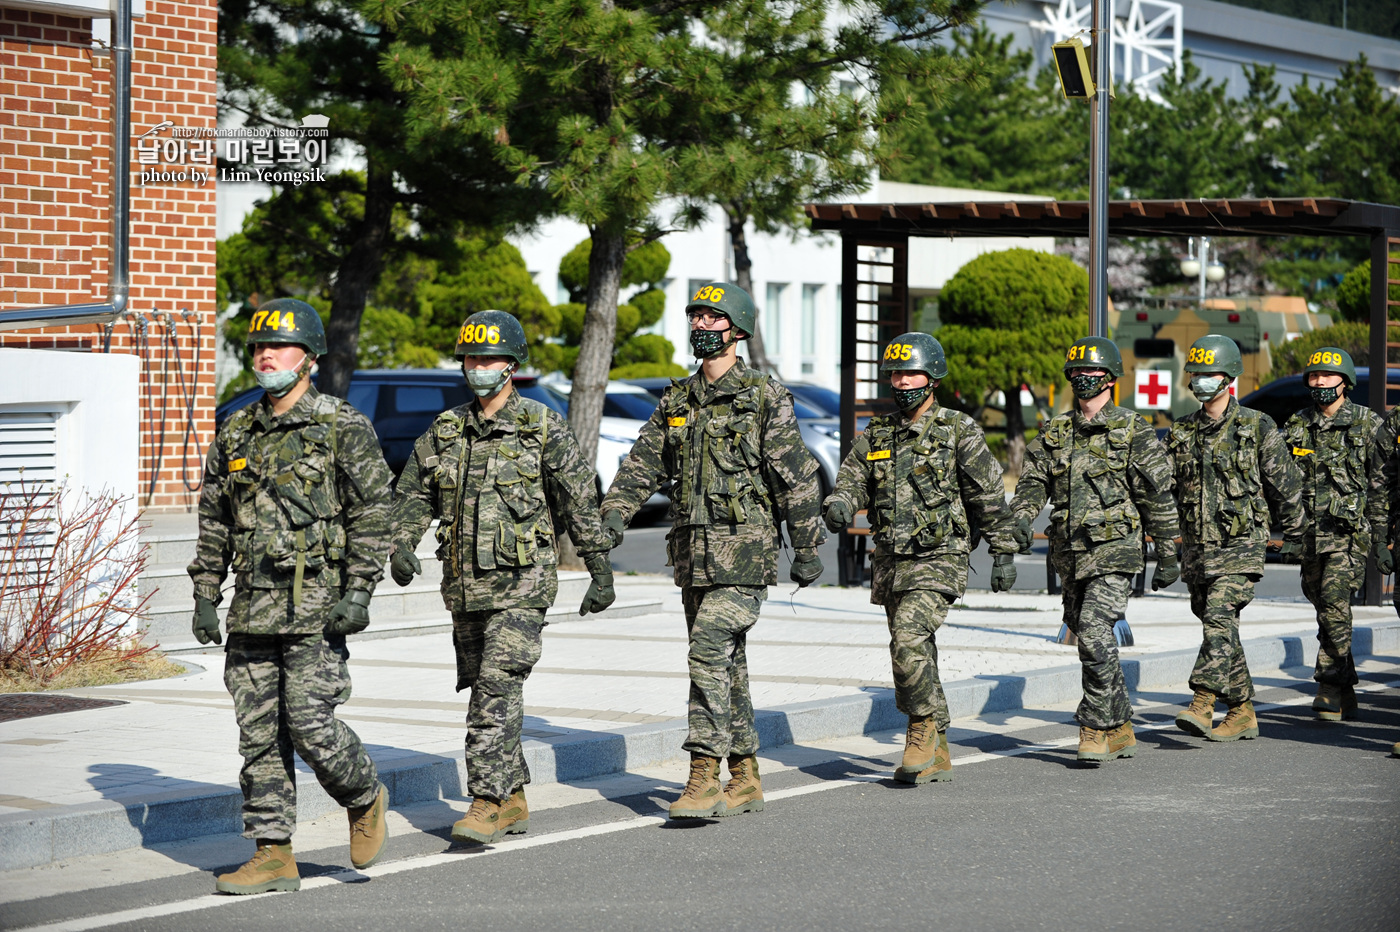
(118, 286)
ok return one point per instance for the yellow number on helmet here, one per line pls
(905, 352)
(1210, 355)
(703, 294)
(493, 334)
(273, 320)
(716, 294)
(289, 322)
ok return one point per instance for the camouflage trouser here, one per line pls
(495, 653)
(914, 616)
(718, 619)
(1091, 607)
(1328, 581)
(1220, 666)
(285, 689)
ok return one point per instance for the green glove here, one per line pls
(1023, 535)
(838, 515)
(612, 528)
(1385, 562)
(600, 591)
(806, 567)
(1003, 572)
(404, 565)
(1291, 552)
(206, 622)
(351, 613)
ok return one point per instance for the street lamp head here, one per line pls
(1191, 267)
(1215, 272)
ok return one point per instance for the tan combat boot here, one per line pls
(1349, 704)
(1239, 723)
(938, 765)
(743, 793)
(1121, 741)
(1328, 704)
(1093, 744)
(488, 821)
(369, 829)
(920, 746)
(703, 797)
(271, 868)
(1197, 718)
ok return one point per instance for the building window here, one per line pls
(773, 319)
(809, 320)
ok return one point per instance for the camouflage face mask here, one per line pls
(1089, 386)
(908, 398)
(1325, 396)
(707, 343)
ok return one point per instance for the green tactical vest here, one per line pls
(933, 517)
(1092, 503)
(513, 525)
(1335, 477)
(1227, 459)
(715, 451)
(285, 500)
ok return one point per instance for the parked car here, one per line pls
(1282, 398)
(402, 403)
(625, 409)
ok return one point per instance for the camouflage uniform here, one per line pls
(927, 484)
(493, 483)
(738, 466)
(1343, 462)
(299, 504)
(1229, 473)
(1107, 481)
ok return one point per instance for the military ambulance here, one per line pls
(1154, 336)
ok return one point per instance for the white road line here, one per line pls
(213, 901)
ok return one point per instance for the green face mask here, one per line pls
(1206, 387)
(486, 382)
(908, 398)
(280, 381)
(1089, 386)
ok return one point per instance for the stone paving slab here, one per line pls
(608, 695)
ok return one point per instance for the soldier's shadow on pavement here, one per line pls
(1376, 727)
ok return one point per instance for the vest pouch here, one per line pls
(307, 492)
(518, 484)
(1110, 484)
(443, 533)
(1112, 523)
(1348, 511)
(515, 544)
(242, 552)
(335, 543)
(733, 500)
(933, 481)
(722, 444)
(1236, 518)
(243, 497)
(284, 545)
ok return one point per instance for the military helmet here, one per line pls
(915, 352)
(1332, 359)
(287, 320)
(1095, 353)
(730, 300)
(492, 333)
(1214, 353)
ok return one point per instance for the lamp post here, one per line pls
(1203, 264)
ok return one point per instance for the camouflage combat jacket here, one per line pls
(298, 502)
(492, 483)
(1388, 446)
(1342, 462)
(927, 484)
(1108, 480)
(1229, 473)
(737, 466)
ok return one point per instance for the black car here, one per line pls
(1282, 398)
(401, 403)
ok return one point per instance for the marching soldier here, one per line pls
(1105, 475)
(1340, 448)
(1231, 465)
(928, 480)
(296, 498)
(492, 471)
(727, 439)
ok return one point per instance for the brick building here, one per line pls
(56, 208)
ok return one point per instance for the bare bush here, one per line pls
(69, 566)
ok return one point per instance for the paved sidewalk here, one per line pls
(607, 696)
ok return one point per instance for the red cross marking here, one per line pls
(1153, 389)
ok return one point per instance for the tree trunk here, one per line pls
(1015, 432)
(599, 333)
(358, 272)
(743, 277)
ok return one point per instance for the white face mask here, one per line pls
(280, 381)
(486, 382)
(1207, 387)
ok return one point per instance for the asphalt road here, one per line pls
(1297, 830)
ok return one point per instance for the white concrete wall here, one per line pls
(98, 427)
(788, 264)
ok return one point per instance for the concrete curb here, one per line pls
(35, 838)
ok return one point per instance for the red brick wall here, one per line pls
(55, 226)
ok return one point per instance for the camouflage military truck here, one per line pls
(1155, 334)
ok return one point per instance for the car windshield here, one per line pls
(637, 406)
(817, 398)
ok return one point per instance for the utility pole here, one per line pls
(1098, 169)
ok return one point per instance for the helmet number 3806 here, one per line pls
(479, 333)
(1199, 355)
